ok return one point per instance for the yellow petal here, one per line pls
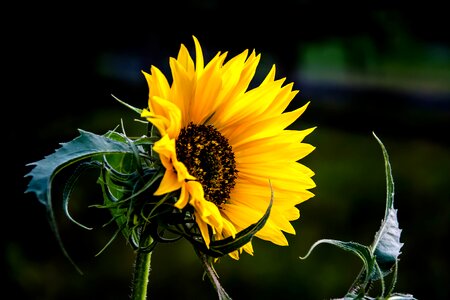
(199, 63)
(165, 147)
(290, 172)
(248, 248)
(183, 89)
(203, 226)
(237, 75)
(282, 198)
(261, 151)
(168, 184)
(258, 204)
(206, 210)
(264, 128)
(243, 216)
(250, 104)
(184, 198)
(171, 113)
(208, 87)
(158, 85)
(234, 254)
(182, 171)
(185, 60)
(160, 122)
(228, 229)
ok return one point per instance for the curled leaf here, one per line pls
(386, 246)
(87, 145)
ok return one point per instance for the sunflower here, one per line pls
(225, 147)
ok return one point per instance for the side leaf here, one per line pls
(70, 186)
(85, 146)
(386, 245)
(389, 178)
(363, 252)
(380, 258)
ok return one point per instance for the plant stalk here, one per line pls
(141, 274)
(213, 277)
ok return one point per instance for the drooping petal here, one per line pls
(205, 212)
(169, 183)
(171, 115)
(183, 199)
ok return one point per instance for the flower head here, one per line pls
(225, 147)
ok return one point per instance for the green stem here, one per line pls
(141, 273)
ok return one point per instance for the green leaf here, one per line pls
(363, 252)
(381, 257)
(120, 193)
(138, 110)
(84, 146)
(389, 178)
(70, 185)
(386, 245)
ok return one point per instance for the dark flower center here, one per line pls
(209, 157)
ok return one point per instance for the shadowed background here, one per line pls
(386, 72)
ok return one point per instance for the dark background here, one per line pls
(382, 71)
